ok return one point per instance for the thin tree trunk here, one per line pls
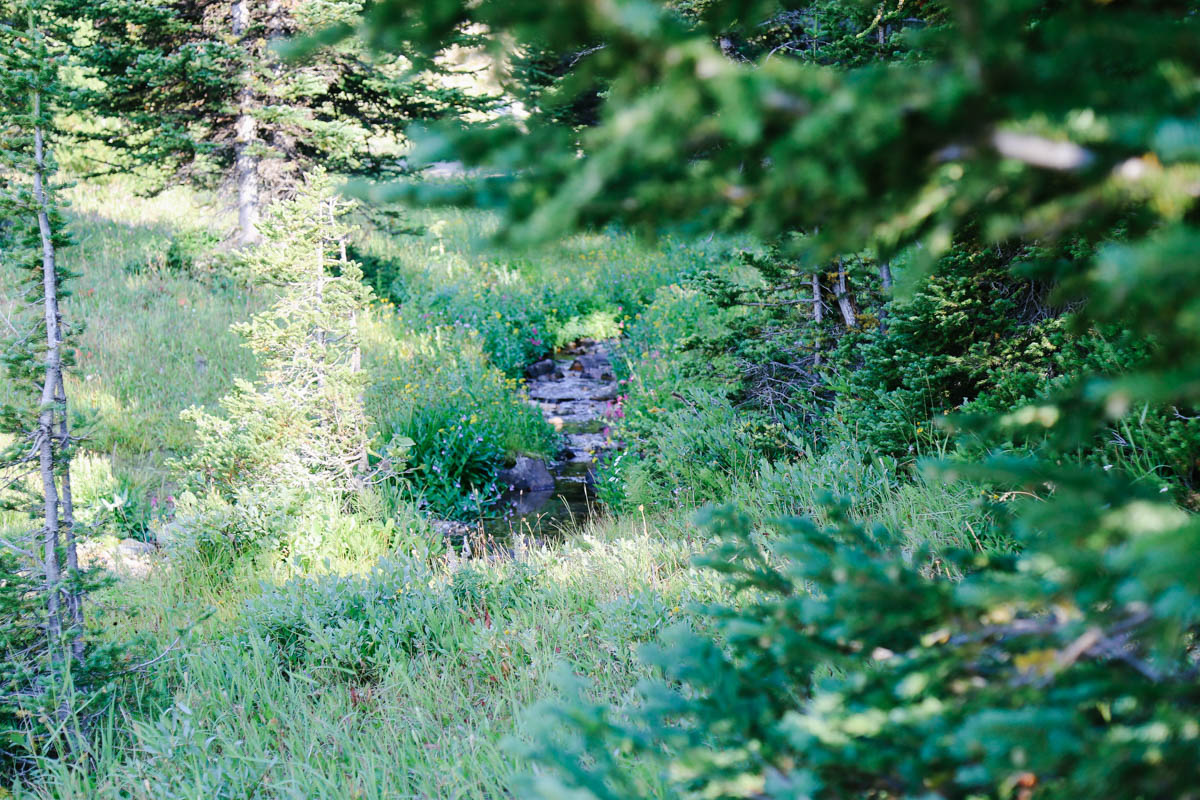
(246, 160)
(845, 301)
(885, 281)
(50, 385)
(818, 313)
(355, 357)
(73, 596)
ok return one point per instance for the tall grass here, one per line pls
(326, 678)
(224, 718)
(154, 341)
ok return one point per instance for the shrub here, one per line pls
(478, 588)
(297, 530)
(187, 250)
(598, 324)
(213, 531)
(350, 627)
(692, 454)
(460, 417)
(851, 666)
(455, 458)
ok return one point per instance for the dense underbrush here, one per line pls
(301, 643)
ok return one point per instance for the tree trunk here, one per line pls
(818, 313)
(844, 299)
(50, 386)
(246, 160)
(885, 281)
(73, 595)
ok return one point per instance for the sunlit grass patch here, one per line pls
(154, 340)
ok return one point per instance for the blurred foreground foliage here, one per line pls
(1066, 132)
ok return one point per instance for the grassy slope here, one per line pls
(155, 341)
(219, 717)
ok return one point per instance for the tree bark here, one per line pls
(844, 299)
(53, 379)
(885, 281)
(73, 595)
(818, 313)
(246, 160)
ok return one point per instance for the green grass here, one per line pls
(422, 691)
(520, 302)
(154, 341)
(222, 718)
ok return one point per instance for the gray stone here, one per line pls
(528, 475)
(587, 445)
(540, 368)
(608, 392)
(559, 391)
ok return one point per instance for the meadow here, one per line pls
(384, 664)
(706, 400)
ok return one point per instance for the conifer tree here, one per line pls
(852, 666)
(302, 424)
(35, 357)
(42, 634)
(197, 91)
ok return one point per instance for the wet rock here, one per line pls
(541, 368)
(528, 475)
(591, 363)
(574, 412)
(587, 445)
(605, 393)
(451, 528)
(558, 391)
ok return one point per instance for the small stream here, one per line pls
(575, 389)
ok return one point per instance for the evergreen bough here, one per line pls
(849, 667)
(50, 671)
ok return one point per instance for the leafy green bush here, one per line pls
(479, 589)
(296, 531)
(187, 250)
(455, 458)
(599, 324)
(337, 628)
(213, 531)
(691, 455)
(521, 303)
(460, 417)
(683, 442)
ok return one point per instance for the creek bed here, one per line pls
(576, 391)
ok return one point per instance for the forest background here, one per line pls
(900, 297)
